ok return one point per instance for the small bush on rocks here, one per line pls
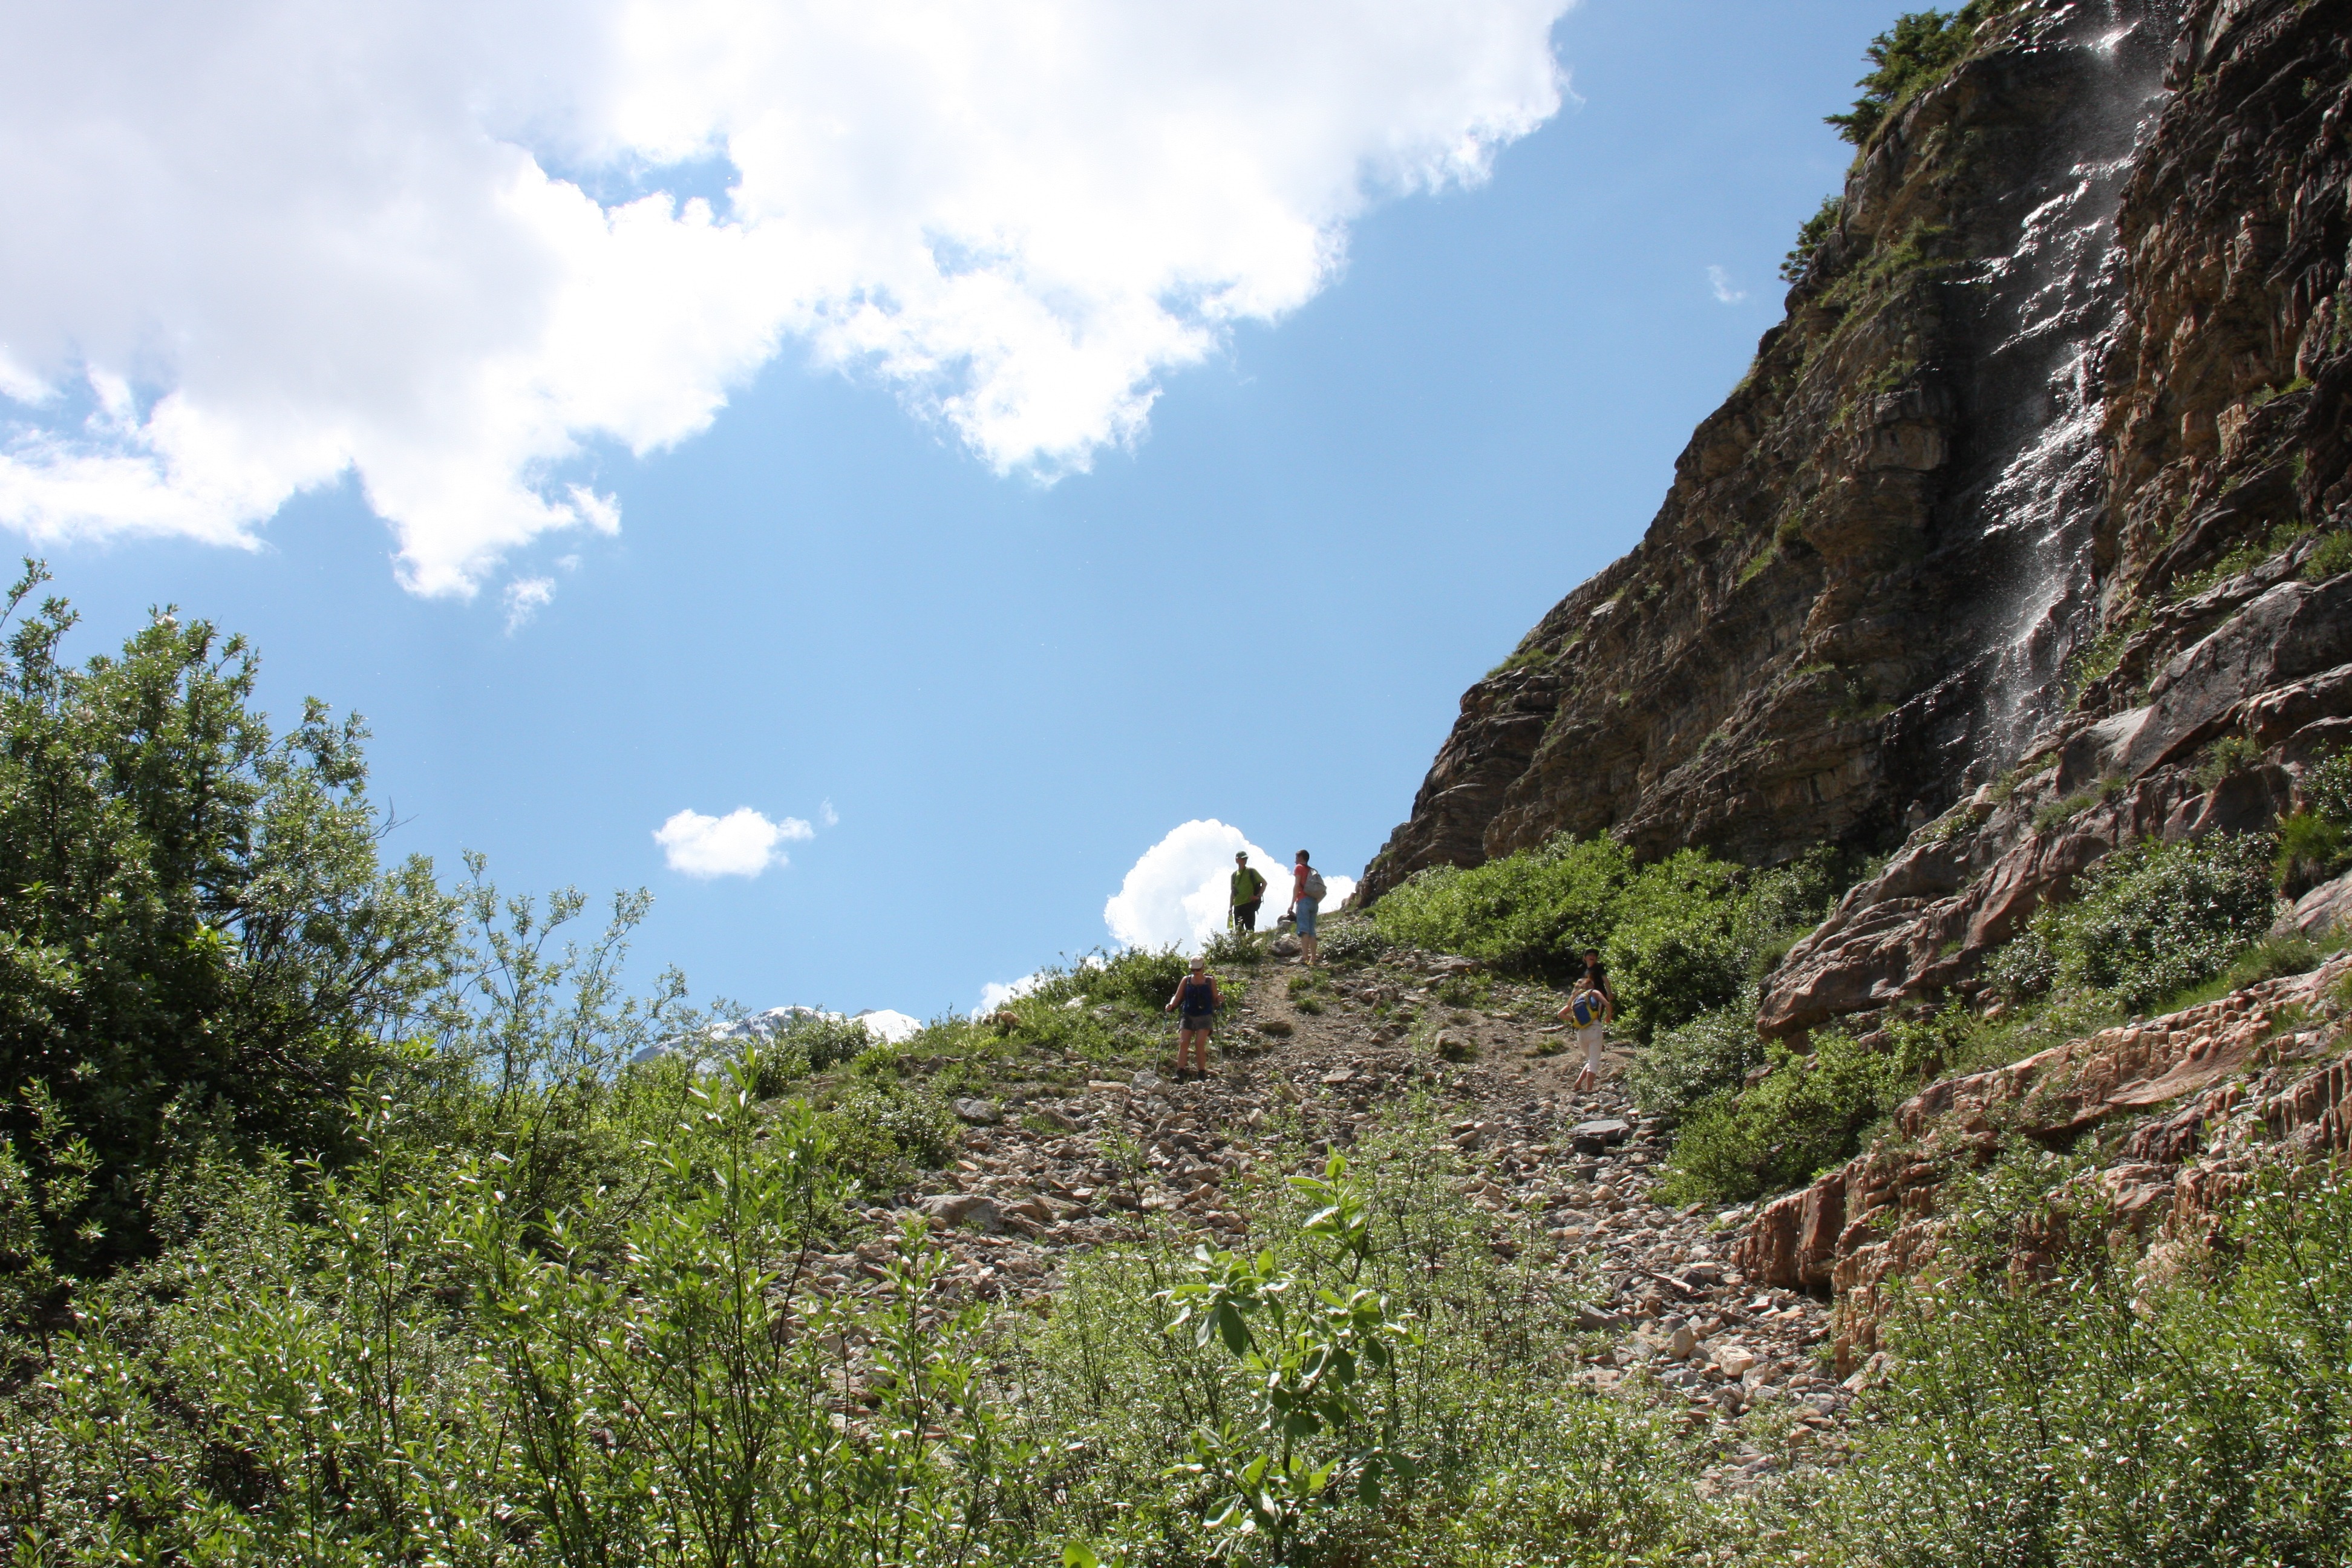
(2148, 921)
(1351, 939)
(1684, 1066)
(1805, 1117)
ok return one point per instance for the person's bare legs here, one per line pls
(1190, 1044)
(1307, 946)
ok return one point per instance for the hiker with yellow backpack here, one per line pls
(1588, 1012)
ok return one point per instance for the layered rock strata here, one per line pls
(2182, 1108)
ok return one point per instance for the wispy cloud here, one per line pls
(743, 843)
(444, 249)
(1719, 282)
(526, 597)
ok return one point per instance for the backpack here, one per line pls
(1314, 888)
(1585, 1008)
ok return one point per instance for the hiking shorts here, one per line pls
(1194, 1023)
(1307, 917)
(1589, 1037)
(1246, 915)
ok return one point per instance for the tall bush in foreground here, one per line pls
(2093, 1417)
(197, 944)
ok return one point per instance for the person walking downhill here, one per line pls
(1249, 892)
(1195, 1003)
(1599, 977)
(1588, 1012)
(1305, 896)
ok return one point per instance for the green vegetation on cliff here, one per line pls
(1680, 936)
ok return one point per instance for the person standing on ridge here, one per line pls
(1305, 895)
(1249, 892)
(1195, 1003)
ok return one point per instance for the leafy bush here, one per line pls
(2150, 920)
(2107, 1417)
(2312, 849)
(1908, 58)
(1233, 947)
(1351, 939)
(1681, 935)
(1528, 912)
(2316, 843)
(1809, 236)
(2330, 557)
(1141, 978)
(201, 947)
(882, 1133)
(1135, 1375)
(1805, 1118)
(1684, 1066)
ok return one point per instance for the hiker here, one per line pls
(1196, 995)
(1306, 894)
(1598, 977)
(1588, 1011)
(1249, 892)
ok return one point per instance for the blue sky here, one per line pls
(988, 694)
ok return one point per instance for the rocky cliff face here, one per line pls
(2075, 340)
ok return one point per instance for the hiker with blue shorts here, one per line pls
(1306, 891)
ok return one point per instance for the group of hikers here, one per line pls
(1591, 1007)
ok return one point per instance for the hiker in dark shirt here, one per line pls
(1598, 977)
(1197, 998)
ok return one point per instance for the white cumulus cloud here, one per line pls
(1719, 284)
(453, 250)
(1178, 892)
(995, 993)
(743, 843)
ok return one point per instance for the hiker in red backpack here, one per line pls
(1306, 891)
(1588, 1010)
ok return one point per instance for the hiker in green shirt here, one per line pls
(1249, 890)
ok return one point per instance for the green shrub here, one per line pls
(2312, 849)
(2230, 754)
(1142, 977)
(1351, 939)
(1527, 911)
(2106, 1416)
(1231, 947)
(1907, 59)
(2331, 557)
(201, 947)
(1680, 935)
(1511, 1464)
(1711, 1053)
(2150, 920)
(884, 1131)
(1806, 1117)
(2326, 788)
(1793, 266)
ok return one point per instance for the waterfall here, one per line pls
(2053, 307)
